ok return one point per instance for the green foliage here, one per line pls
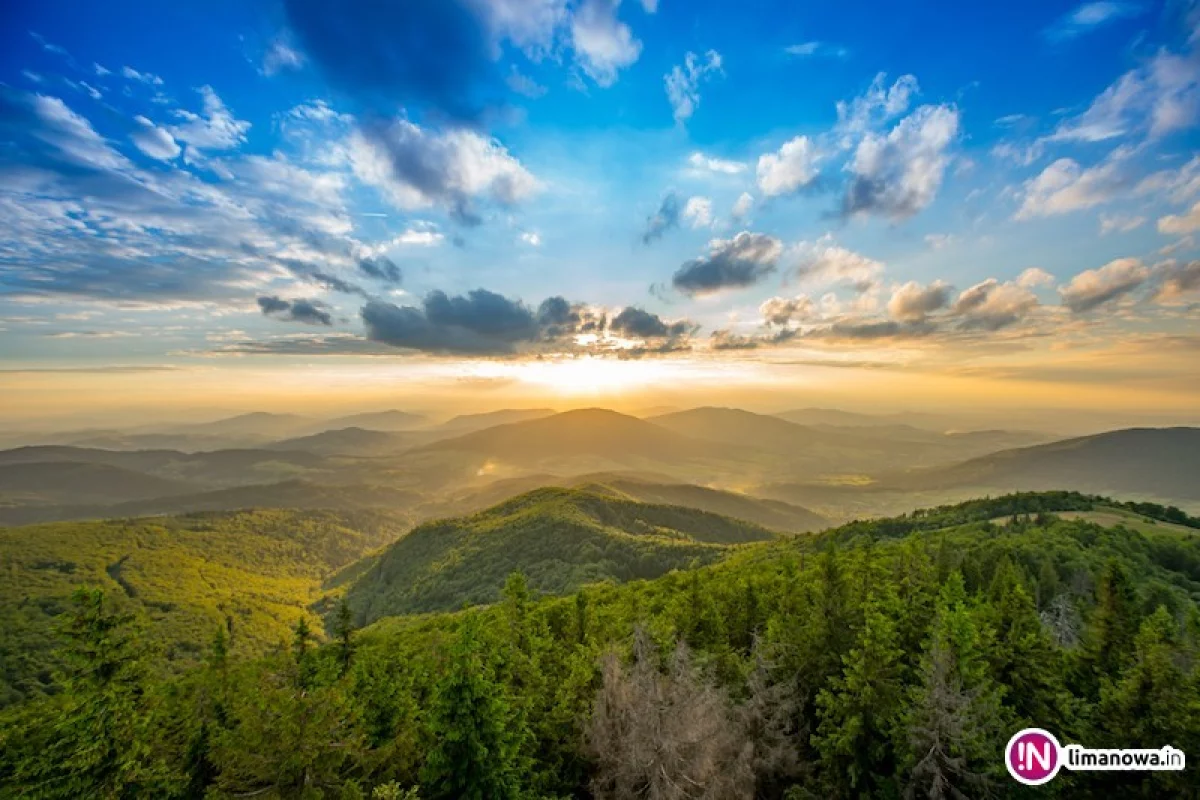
(560, 539)
(878, 659)
(476, 738)
(254, 572)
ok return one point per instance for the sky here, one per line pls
(472, 203)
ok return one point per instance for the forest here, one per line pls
(888, 658)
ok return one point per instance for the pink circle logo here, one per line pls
(1033, 756)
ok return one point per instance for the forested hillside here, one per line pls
(251, 573)
(560, 538)
(879, 659)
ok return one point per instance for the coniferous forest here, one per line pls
(888, 658)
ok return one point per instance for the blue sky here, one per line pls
(1013, 185)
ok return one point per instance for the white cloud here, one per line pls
(991, 305)
(699, 211)
(101, 71)
(683, 82)
(523, 84)
(913, 302)
(215, 129)
(1065, 186)
(73, 135)
(1179, 224)
(603, 44)
(816, 48)
(418, 168)
(780, 311)
(531, 238)
(701, 161)
(1034, 277)
(153, 140)
(281, 56)
(529, 24)
(1155, 99)
(937, 241)
(899, 174)
(1095, 287)
(133, 75)
(878, 105)
(793, 167)
(1177, 280)
(823, 262)
(742, 206)
(1179, 184)
(1119, 223)
(1088, 17)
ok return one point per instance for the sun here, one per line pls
(592, 375)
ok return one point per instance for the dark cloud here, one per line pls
(273, 305)
(430, 54)
(733, 263)
(381, 268)
(558, 319)
(663, 220)
(478, 323)
(643, 324)
(310, 312)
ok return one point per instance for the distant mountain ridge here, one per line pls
(1159, 462)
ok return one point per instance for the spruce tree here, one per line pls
(474, 749)
(97, 743)
(860, 708)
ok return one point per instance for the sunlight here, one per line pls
(599, 376)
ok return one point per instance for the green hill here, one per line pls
(773, 514)
(57, 482)
(560, 538)
(254, 571)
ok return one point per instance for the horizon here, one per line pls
(597, 203)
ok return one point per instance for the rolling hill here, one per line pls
(82, 482)
(559, 538)
(294, 494)
(467, 423)
(351, 441)
(216, 468)
(593, 433)
(772, 514)
(252, 572)
(390, 420)
(1161, 463)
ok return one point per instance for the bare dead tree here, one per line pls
(1063, 621)
(665, 735)
(770, 722)
(942, 724)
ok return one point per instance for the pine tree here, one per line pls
(1022, 656)
(1115, 623)
(475, 748)
(860, 708)
(1154, 703)
(343, 631)
(97, 743)
(302, 643)
(953, 710)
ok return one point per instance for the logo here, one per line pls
(1033, 756)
